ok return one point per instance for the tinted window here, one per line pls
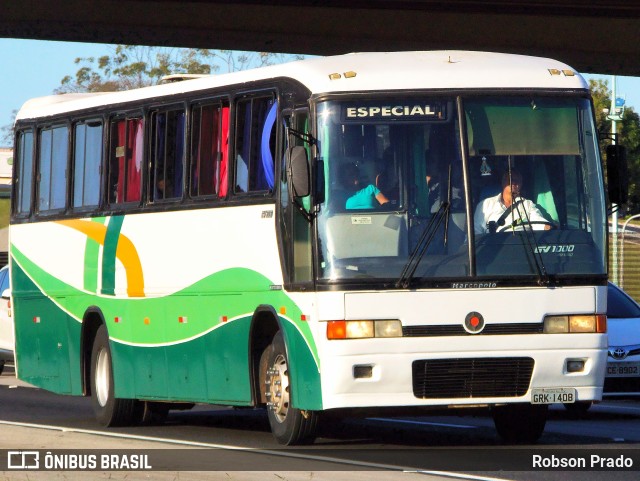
(25, 172)
(619, 305)
(209, 150)
(167, 154)
(125, 160)
(87, 160)
(53, 155)
(255, 144)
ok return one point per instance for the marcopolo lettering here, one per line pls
(391, 111)
(473, 285)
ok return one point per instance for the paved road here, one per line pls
(226, 440)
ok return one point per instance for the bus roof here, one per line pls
(354, 72)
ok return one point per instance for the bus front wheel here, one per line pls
(109, 410)
(578, 407)
(520, 423)
(289, 425)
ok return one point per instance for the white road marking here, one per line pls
(404, 421)
(231, 447)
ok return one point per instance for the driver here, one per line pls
(506, 210)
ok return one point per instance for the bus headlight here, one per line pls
(390, 328)
(574, 324)
(364, 329)
(359, 329)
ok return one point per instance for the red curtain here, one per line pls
(224, 158)
(135, 143)
(127, 158)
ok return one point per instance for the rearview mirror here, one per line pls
(299, 171)
(617, 174)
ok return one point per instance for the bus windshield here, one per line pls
(396, 205)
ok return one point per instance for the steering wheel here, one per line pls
(521, 226)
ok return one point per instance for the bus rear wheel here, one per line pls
(520, 423)
(109, 410)
(289, 425)
(150, 413)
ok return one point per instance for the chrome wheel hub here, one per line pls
(103, 367)
(277, 382)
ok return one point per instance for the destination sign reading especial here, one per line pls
(406, 110)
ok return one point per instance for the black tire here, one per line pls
(520, 423)
(290, 426)
(109, 410)
(149, 413)
(1, 367)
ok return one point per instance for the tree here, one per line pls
(628, 135)
(131, 66)
(6, 132)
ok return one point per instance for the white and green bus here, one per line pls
(199, 242)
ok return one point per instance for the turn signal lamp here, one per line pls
(575, 324)
(364, 329)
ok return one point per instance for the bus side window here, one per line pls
(209, 150)
(87, 158)
(125, 160)
(24, 173)
(167, 154)
(255, 139)
(53, 154)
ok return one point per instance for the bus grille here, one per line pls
(472, 378)
(458, 330)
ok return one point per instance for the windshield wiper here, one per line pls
(427, 237)
(421, 247)
(531, 242)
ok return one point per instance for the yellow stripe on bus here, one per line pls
(126, 252)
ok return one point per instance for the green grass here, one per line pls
(628, 267)
(4, 212)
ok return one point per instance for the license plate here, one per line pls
(565, 395)
(623, 369)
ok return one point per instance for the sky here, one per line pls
(35, 68)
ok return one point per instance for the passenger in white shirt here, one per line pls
(499, 210)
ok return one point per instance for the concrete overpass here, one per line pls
(599, 36)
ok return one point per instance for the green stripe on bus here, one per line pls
(91, 258)
(212, 368)
(109, 255)
(194, 311)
